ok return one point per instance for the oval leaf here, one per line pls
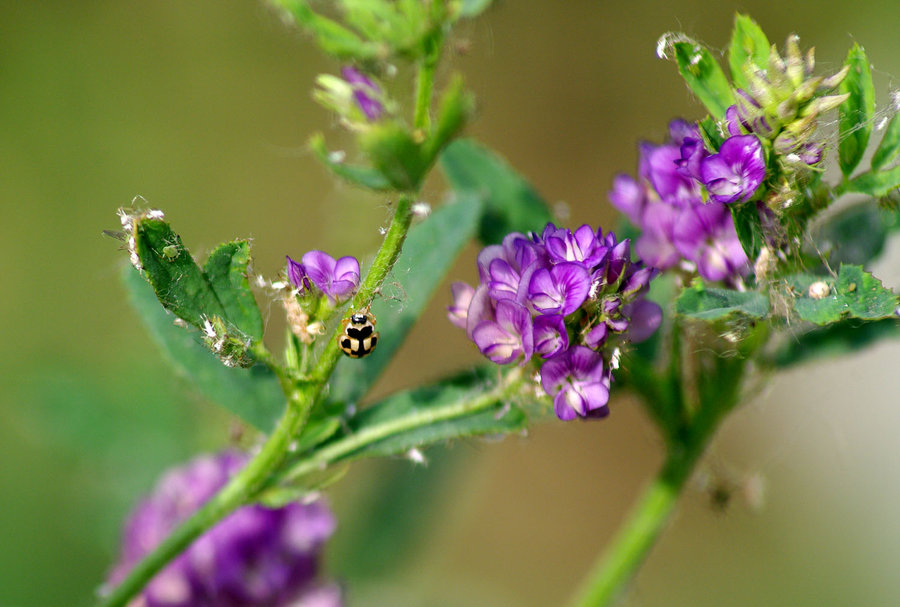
(749, 50)
(855, 114)
(704, 76)
(511, 203)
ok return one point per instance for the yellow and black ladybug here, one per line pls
(359, 337)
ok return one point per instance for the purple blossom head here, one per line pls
(366, 93)
(563, 297)
(337, 279)
(256, 556)
(577, 382)
(509, 336)
(734, 174)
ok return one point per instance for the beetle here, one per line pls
(358, 338)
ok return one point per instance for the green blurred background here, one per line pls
(203, 108)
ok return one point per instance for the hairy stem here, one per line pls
(348, 445)
(634, 540)
(301, 399)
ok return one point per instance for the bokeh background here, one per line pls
(203, 108)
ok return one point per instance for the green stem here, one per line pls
(633, 542)
(237, 492)
(425, 83)
(718, 392)
(302, 395)
(348, 445)
(384, 260)
(301, 399)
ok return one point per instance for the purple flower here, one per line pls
(693, 151)
(705, 234)
(256, 556)
(365, 92)
(644, 317)
(550, 336)
(734, 174)
(560, 290)
(462, 297)
(577, 382)
(336, 279)
(508, 337)
(297, 275)
(581, 246)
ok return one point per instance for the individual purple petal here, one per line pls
(365, 92)
(581, 246)
(507, 338)
(630, 197)
(655, 246)
(462, 297)
(693, 151)
(336, 279)
(577, 381)
(559, 290)
(345, 278)
(644, 316)
(550, 336)
(706, 236)
(504, 280)
(680, 130)
(596, 337)
(485, 257)
(297, 275)
(664, 175)
(733, 121)
(734, 174)
(481, 308)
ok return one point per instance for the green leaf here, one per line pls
(698, 301)
(889, 147)
(866, 297)
(855, 293)
(252, 394)
(195, 295)
(428, 254)
(749, 228)
(362, 176)
(704, 76)
(440, 410)
(331, 37)
(226, 270)
(749, 49)
(511, 204)
(396, 155)
(456, 107)
(855, 235)
(855, 114)
(711, 133)
(472, 8)
(877, 184)
(836, 339)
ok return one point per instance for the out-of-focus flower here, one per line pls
(667, 203)
(366, 93)
(256, 557)
(566, 297)
(357, 98)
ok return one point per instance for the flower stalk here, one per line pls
(302, 394)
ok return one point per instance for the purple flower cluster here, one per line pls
(667, 200)
(319, 272)
(256, 557)
(564, 298)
